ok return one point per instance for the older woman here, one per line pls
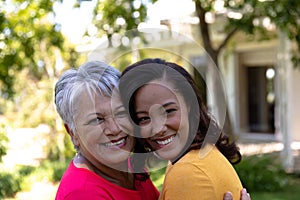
(99, 127)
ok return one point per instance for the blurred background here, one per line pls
(253, 44)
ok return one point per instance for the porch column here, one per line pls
(283, 125)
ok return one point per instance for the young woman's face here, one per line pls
(102, 129)
(163, 118)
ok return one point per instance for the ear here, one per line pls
(74, 137)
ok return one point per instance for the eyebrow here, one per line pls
(101, 114)
(96, 113)
(163, 106)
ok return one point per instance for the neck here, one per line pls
(123, 179)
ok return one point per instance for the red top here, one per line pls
(82, 184)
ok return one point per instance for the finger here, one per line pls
(245, 195)
(228, 196)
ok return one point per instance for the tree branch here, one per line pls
(204, 28)
(227, 38)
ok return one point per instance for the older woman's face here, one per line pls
(103, 128)
(163, 118)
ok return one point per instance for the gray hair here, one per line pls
(93, 76)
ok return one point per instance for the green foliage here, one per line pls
(9, 184)
(33, 102)
(62, 152)
(262, 173)
(157, 177)
(24, 174)
(121, 16)
(53, 170)
(291, 193)
(25, 170)
(29, 39)
(256, 18)
(3, 142)
(22, 177)
(12, 182)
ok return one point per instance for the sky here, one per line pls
(74, 21)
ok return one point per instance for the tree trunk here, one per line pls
(214, 54)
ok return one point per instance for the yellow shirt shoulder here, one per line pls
(201, 174)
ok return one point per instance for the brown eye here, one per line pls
(170, 110)
(143, 120)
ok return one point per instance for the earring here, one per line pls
(147, 148)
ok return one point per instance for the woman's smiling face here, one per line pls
(162, 115)
(102, 129)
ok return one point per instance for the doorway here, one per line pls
(260, 99)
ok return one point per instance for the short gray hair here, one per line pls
(91, 76)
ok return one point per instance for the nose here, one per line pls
(111, 127)
(158, 119)
(159, 126)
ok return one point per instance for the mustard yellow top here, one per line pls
(201, 174)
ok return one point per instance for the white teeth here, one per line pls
(115, 143)
(167, 141)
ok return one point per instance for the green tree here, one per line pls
(119, 16)
(33, 52)
(29, 39)
(247, 16)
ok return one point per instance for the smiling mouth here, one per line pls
(116, 143)
(165, 141)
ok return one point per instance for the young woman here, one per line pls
(170, 117)
(99, 127)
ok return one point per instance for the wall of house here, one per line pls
(229, 70)
(295, 102)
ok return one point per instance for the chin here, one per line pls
(165, 155)
(116, 160)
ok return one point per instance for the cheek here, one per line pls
(145, 132)
(176, 123)
(125, 125)
(182, 126)
(90, 135)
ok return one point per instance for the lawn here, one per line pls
(292, 192)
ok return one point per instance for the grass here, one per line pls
(289, 193)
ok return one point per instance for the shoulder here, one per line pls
(78, 183)
(189, 168)
(185, 180)
(80, 194)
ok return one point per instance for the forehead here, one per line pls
(156, 92)
(93, 100)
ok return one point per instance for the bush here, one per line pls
(58, 170)
(9, 184)
(55, 169)
(3, 141)
(262, 173)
